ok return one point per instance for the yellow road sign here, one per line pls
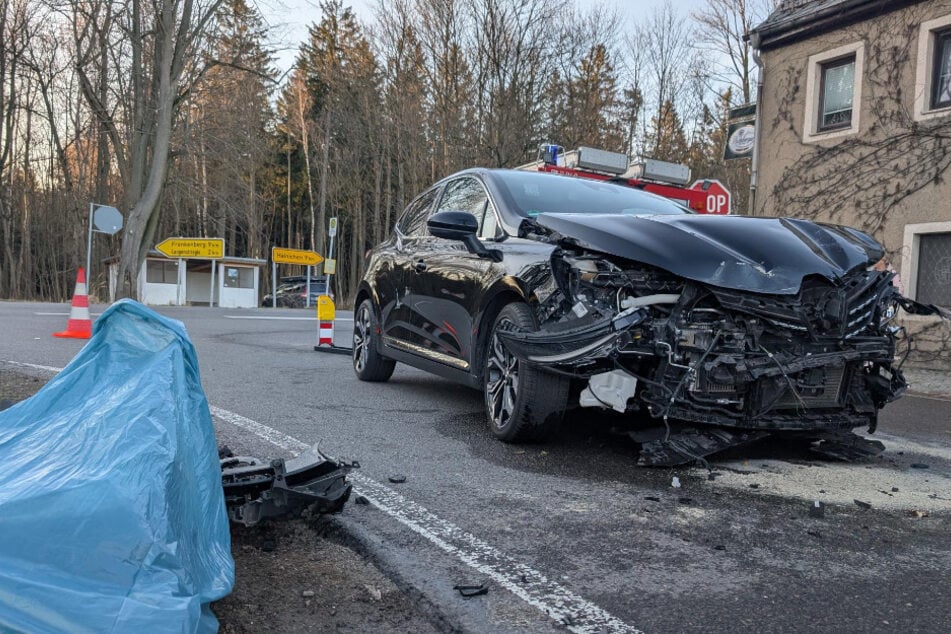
(199, 248)
(295, 256)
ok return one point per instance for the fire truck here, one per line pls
(657, 177)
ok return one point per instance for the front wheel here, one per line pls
(523, 403)
(368, 363)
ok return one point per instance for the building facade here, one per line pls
(854, 128)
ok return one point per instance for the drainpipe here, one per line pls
(757, 131)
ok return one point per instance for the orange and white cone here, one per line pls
(79, 325)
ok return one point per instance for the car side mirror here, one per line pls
(463, 226)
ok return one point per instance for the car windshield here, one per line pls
(533, 193)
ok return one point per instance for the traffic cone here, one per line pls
(79, 325)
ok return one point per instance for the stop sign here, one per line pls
(718, 199)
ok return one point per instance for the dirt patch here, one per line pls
(293, 576)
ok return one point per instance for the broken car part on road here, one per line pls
(255, 490)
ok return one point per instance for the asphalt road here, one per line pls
(570, 534)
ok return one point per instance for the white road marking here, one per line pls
(556, 601)
(265, 317)
(66, 314)
(270, 318)
(559, 603)
(45, 368)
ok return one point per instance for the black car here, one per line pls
(549, 292)
(292, 292)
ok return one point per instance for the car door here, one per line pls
(446, 281)
(394, 268)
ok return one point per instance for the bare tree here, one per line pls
(157, 44)
(669, 69)
(721, 28)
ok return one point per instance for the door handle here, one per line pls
(420, 266)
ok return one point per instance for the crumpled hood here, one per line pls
(761, 255)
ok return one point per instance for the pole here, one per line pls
(89, 250)
(211, 292)
(273, 283)
(330, 256)
(178, 281)
(307, 300)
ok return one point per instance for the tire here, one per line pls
(368, 363)
(523, 403)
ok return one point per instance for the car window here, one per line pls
(468, 194)
(489, 230)
(533, 193)
(413, 220)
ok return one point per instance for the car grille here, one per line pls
(810, 391)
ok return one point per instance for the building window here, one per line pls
(926, 262)
(941, 75)
(933, 70)
(160, 272)
(238, 277)
(933, 285)
(836, 91)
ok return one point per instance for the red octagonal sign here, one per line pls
(718, 199)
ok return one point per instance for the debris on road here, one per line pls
(862, 505)
(846, 446)
(818, 509)
(663, 448)
(469, 591)
(918, 465)
(675, 482)
(311, 482)
(397, 479)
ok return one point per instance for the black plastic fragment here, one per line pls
(468, 591)
(862, 505)
(919, 465)
(652, 498)
(689, 444)
(397, 479)
(361, 500)
(846, 446)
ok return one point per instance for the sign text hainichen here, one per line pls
(282, 255)
(198, 248)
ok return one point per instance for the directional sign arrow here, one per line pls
(198, 248)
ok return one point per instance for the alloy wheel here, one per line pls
(361, 339)
(501, 386)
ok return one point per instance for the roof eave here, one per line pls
(788, 32)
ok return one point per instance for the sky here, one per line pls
(290, 18)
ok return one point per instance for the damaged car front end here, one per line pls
(714, 341)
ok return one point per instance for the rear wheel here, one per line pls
(523, 403)
(368, 363)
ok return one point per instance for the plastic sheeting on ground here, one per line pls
(112, 517)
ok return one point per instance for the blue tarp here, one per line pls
(112, 517)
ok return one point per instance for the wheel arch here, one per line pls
(504, 294)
